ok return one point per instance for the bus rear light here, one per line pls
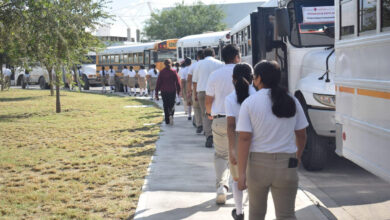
(344, 136)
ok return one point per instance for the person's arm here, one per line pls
(244, 142)
(208, 103)
(231, 132)
(189, 86)
(158, 85)
(194, 84)
(300, 140)
(178, 87)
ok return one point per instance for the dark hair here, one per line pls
(142, 67)
(187, 61)
(200, 54)
(131, 68)
(168, 63)
(283, 105)
(209, 52)
(229, 52)
(111, 67)
(154, 68)
(103, 67)
(242, 75)
(124, 67)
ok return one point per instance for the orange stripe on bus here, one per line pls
(373, 93)
(346, 89)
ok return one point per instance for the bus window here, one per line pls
(386, 14)
(140, 58)
(100, 59)
(367, 15)
(135, 58)
(347, 17)
(103, 59)
(112, 60)
(125, 58)
(180, 53)
(249, 32)
(147, 57)
(116, 59)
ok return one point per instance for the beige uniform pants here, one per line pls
(205, 120)
(270, 171)
(184, 93)
(197, 114)
(221, 156)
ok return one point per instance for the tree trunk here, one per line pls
(58, 101)
(50, 71)
(1, 75)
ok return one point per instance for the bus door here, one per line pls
(147, 59)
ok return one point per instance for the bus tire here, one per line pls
(315, 154)
(86, 82)
(42, 83)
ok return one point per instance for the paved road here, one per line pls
(347, 190)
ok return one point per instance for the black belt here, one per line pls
(219, 116)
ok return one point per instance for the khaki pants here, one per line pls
(197, 114)
(184, 94)
(221, 156)
(270, 171)
(205, 120)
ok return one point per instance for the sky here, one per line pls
(133, 13)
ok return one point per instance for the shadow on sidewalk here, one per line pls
(182, 213)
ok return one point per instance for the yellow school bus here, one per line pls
(136, 55)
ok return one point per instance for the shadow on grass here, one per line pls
(148, 152)
(138, 145)
(13, 117)
(145, 128)
(17, 99)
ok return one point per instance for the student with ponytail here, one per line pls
(272, 136)
(151, 78)
(242, 81)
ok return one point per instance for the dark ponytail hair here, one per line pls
(283, 105)
(154, 68)
(242, 75)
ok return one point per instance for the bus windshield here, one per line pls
(166, 54)
(309, 19)
(89, 60)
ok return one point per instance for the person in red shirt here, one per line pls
(169, 84)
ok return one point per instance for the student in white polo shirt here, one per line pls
(111, 79)
(191, 95)
(201, 75)
(152, 77)
(125, 80)
(132, 81)
(272, 136)
(220, 85)
(242, 80)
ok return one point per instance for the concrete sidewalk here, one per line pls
(181, 180)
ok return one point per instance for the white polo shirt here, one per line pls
(183, 73)
(142, 73)
(270, 134)
(132, 73)
(220, 85)
(125, 72)
(192, 67)
(203, 70)
(111, 72)
(232, 107)
(152, 74)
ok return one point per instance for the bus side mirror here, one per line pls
(282, 22)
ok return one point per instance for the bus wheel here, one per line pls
(315, 154)
(86, 82)
(42, 83)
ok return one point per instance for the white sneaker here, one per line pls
(170, 120)
(221, 195)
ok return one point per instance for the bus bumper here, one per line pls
(323, 121)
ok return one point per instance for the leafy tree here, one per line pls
(55, 33)
(184, 20)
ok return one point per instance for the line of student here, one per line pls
(130, 78)
(256, 127)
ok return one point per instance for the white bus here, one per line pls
(363, 83)
(240, 35)
(286, 33)
(188, 46)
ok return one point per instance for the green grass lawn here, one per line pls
(88, 162)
